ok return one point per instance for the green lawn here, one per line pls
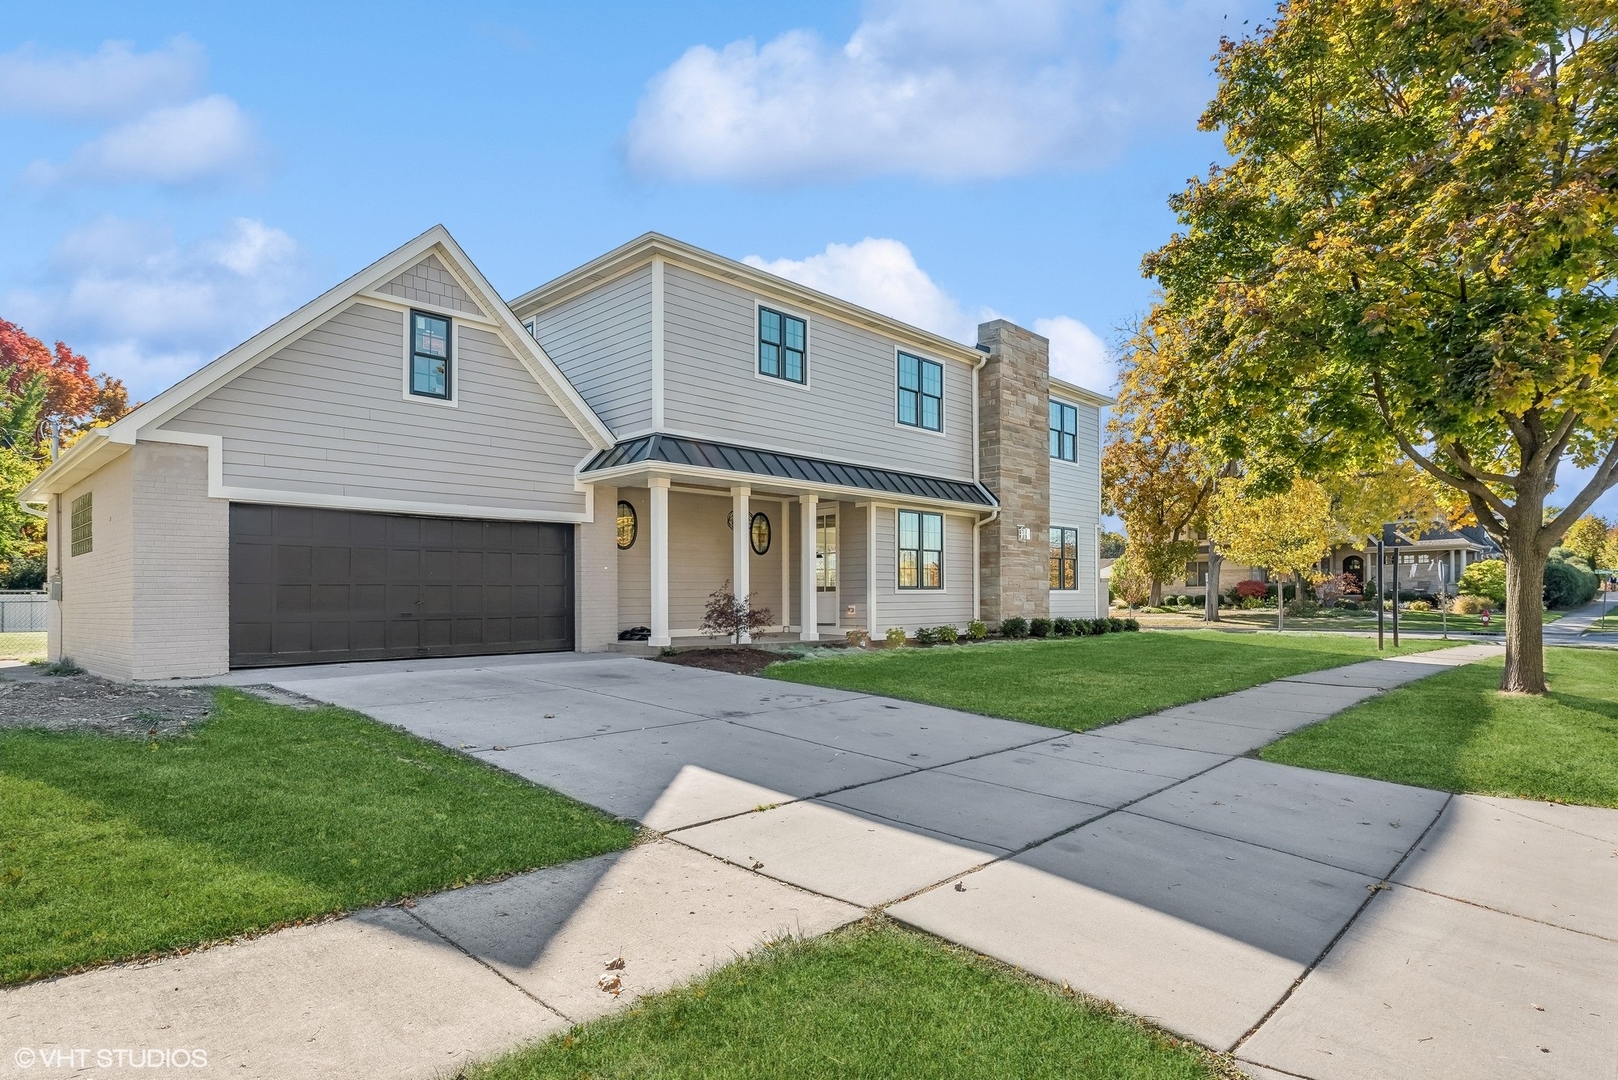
(872, 1001)
(264, 815)
(1079, 683)
(22, 646)
(1456, 732)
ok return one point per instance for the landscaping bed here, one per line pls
(869, 1001)
(735, 659)
(87, 703)
(1457, 732)
(1080, 683)
(262, 816)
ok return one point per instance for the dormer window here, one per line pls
(429, 356)
(783, 346)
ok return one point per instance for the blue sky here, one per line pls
(176, 177)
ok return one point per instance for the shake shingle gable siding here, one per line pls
(699, 453)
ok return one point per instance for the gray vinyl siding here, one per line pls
(326, 416)
(848, 410)
(602, 341)
(854, 564)
(1076, 504)
(911, 608)
(635, 561)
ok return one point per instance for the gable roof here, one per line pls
(100, 445)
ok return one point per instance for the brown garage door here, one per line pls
(314, 586)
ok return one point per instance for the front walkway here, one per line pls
(1323, 925)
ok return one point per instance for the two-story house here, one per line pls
(411, 466)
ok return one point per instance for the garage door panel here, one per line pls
(327, 585)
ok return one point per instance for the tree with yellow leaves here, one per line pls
(1287, 532)
(1587, 537)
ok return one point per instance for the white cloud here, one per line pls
(207, 139)
(111, 83)
(882, 274)
(1078, 355)
(946, 89)
(149, 310)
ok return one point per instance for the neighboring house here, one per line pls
(1429, 561)
(410, 466)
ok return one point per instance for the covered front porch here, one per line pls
(815, 543)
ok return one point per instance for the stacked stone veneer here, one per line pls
(1014, 462)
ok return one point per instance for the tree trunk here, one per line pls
(1154, 596)
(1525, 628)
(1281, 604)
(1210, 600)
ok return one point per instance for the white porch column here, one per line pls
(785, 540)
(808, 630)
(659, 486)
(741, 547)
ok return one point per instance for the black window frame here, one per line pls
(783, 350)
(1064, 438)
(919, 552)
(918, 393)
(1064, 567)
(759, 517)
(81, 525)
(448, 358)
(634, 524)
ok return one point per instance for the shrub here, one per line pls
(1014, 627)
(895, 637)
(858, 639)
(1117, 625)
(1419, 605)
(926, 635)
(977, 630)
(732, 615)
(1471, 605)
(1350, 605)
(947, 633)
(1039, 628)
(1486, 578)
(1251, 590)
(1132, 624)
(1251, 603)
(1101, 626)
(1568, 584)
(1062, 627)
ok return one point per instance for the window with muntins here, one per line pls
(1064, 558)
(783, 346)
(1064, 431)
(83, 525)
(921, 392)
(429, 356)
(921, 550)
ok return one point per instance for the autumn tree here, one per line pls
(1413, 250)
(1609, 551)
(1129, 580)
(1287, 532)
(1587, 537)
(1153, 479)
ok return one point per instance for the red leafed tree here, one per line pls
(72, 395)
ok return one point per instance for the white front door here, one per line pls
(826, 569)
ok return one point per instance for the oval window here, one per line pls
(626, 525)
(760, 529)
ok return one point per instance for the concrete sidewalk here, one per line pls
(1250, 906)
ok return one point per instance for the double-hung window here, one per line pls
(429, 356)
(921, 550)
(1064, 558)
(783, 346)
(921, 392)
(1064, 431)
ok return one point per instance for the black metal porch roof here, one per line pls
(700, 453)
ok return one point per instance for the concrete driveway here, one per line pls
(1320, 925)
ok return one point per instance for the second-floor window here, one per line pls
(429, 356)
(1064, 431)
(1064, 558)
(921, 392)
(783, 346)
(921, 550)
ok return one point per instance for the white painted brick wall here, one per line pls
(95, 623)
(181, 566)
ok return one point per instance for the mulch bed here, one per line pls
(735, 661)
(88, 703)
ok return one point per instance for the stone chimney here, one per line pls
(1014, 462)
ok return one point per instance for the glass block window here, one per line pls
(1064, 558)
(921, 392)
(82, 525)
(1064, 431)
(921, 550)
(429, 356)
(783, 346)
